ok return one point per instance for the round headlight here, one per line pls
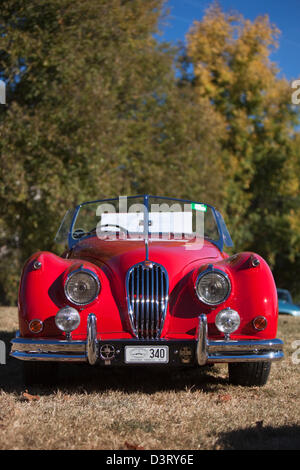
(213, 287)
(82, 287)
(227, 321)
(67, 319)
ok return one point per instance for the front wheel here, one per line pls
(40, 373)
(249, 373)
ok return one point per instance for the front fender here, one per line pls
(253, 293)
(41, 295)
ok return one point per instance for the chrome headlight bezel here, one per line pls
(217, 272)
(82, 271)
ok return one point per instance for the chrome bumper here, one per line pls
(59, 350)
(206, 351)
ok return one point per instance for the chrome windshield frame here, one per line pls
(224, 236)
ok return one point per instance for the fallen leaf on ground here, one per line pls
(29, 397)
(66, 397)
(224, 398)
(133, 446)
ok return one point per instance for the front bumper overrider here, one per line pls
(203, 351)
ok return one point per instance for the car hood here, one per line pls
(120, 255)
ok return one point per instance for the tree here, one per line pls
(231, 67)
(93, 111)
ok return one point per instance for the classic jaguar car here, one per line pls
(145, 281)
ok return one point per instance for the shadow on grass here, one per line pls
(84, 378)
(262, 438)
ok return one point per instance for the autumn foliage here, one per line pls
(260, 159)
(96, 108)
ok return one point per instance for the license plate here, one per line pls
(146, 354)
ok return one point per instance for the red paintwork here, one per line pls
(41, 292)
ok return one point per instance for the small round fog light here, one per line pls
(67, 319)
(36, 326)
(227, 321)
(260, 323)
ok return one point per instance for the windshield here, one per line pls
(145, 218)
(284, 296)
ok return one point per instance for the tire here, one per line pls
(249, 373)
(40, 373)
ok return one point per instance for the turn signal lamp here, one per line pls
(36, 326)
(260, 323)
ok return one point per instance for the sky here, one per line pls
(285, 14)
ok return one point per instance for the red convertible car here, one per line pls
(143, 281)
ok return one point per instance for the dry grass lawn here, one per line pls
(152, 409)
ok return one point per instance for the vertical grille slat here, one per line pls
(147, 286)
(157, 299)
(147, 304)
(132, 291)
(142, 300)
(162, 295)
(152, 305)
(137, 303)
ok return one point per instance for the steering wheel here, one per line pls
(123, 229)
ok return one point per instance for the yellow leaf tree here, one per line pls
(231, 63)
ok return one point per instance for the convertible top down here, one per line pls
(142, 281)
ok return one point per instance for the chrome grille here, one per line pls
(147, 286)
